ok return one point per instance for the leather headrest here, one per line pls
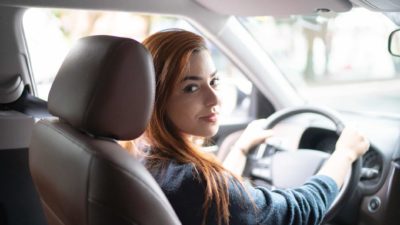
(105, 87)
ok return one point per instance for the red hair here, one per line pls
(171, 51)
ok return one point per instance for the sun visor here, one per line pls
(275, 8)
(379, 5)
(11, 89)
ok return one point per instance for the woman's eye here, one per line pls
(215, 82)
(190, 88)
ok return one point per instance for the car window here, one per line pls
(339, 60)
(64, 27)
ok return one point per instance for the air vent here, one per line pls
(369, 157)
(371, 166)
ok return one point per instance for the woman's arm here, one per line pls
(303, 205)
(350, 146)
(235, 160)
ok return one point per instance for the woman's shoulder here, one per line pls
(182, 171)
(174, 176)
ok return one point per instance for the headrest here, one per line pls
(105, 87)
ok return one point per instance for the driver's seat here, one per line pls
(104, 91)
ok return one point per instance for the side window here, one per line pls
(63, 27)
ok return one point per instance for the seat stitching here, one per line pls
(106, 161)
(51, 211)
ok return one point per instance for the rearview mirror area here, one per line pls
(394, 43)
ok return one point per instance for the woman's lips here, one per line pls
(212, 118)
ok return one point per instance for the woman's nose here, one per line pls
(212, 97)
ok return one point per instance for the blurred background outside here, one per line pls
(337, 60)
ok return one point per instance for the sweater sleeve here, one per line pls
(304, 205)
(249, 205)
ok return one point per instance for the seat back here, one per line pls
(19, 201)
(104, 91)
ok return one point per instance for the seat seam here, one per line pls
(51, 211)
(108, 162)
(68, 137)
(140, 181)
(88, 190)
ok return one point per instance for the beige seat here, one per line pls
(104, 91)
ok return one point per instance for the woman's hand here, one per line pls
(352, 144)
(254, 134)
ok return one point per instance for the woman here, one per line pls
(199, 188)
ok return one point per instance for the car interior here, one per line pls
(74, 79)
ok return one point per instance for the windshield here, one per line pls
(337, 60)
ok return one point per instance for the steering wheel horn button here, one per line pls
(292, 169)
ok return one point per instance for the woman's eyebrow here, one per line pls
(193, 77)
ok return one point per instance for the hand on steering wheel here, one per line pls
(254, 134)
(284, 169)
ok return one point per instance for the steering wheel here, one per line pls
(286, 169)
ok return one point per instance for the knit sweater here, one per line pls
(303, 205)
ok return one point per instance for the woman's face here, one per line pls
(194, 105)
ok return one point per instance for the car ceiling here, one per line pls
(221, 8)
(224, 7)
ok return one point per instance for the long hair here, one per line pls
(171, 51)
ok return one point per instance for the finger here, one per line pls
(367, 144)
(259, 123)
(264, 133)
(268, 133)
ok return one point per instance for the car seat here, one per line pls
(103, 92)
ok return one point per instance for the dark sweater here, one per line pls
(304, 205)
